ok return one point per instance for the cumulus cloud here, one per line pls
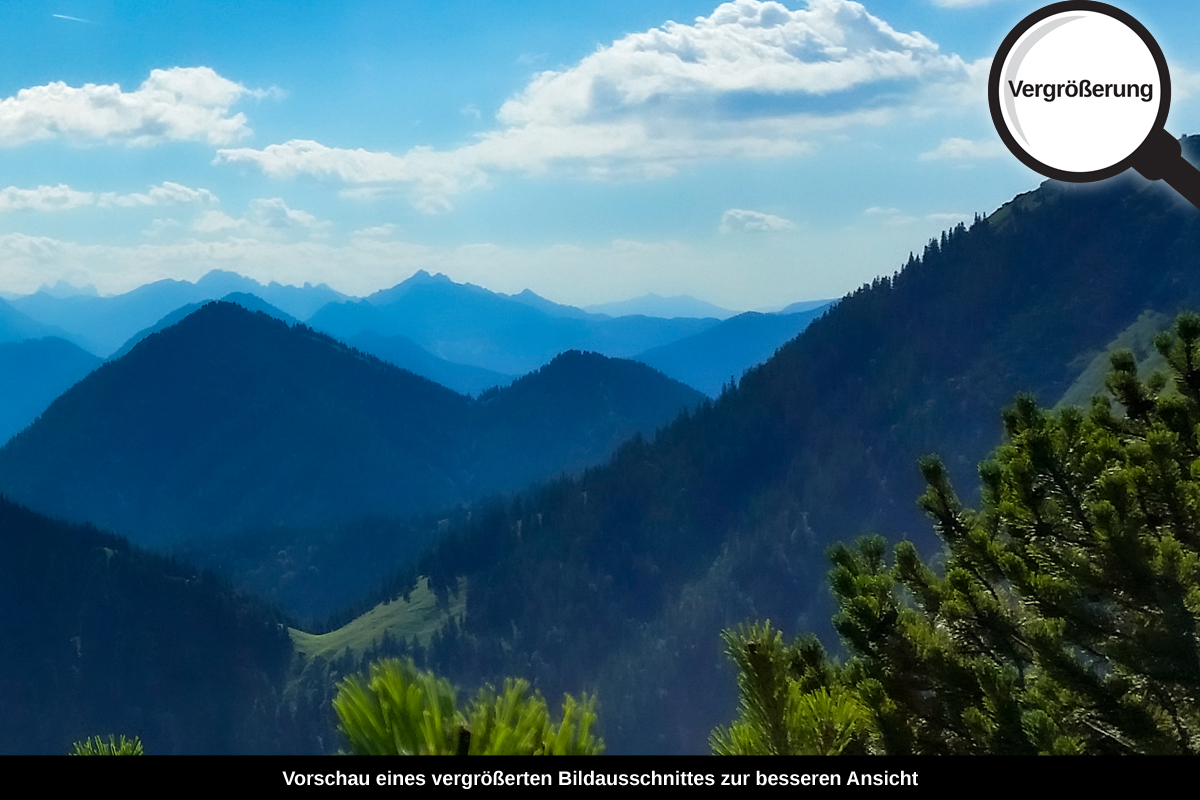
(753, 80)
(63, 197)
(165, 194)
(739, 219)
(177, 104)
(964, 150)
(44, 198)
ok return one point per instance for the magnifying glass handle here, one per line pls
(1161, 158)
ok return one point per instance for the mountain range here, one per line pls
(101, 325)
(231, 419)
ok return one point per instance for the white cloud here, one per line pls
(965, 150)
(762, 48)
(63, 197)
(165, 194)
(753, 80)
(44, 198)
(264, 219)
(894, 216)
(386, 229)
(738, 219)
(890, 215)
(177, 104)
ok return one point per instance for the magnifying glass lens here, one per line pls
(1080, 91)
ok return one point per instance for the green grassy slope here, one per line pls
(1138, 337)
(419, 617)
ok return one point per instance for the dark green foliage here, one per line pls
(99, 635)
(1066, 618)
(311, 573)
(99, 746)
(400, 710)
(792, 702)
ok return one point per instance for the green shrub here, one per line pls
(99, 746)
(400, 710)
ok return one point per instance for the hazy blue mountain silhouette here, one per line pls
(32, 374)
(552, 308)
(655, 305)
(713, 358)
(249, 302)
(17, 327)
(103, 324)
(467, 324)
(407, 354)
(805, 305)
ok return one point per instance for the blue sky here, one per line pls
(749, 153)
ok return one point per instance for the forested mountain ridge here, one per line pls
(637, 565)
(102, 636)
(231, 419)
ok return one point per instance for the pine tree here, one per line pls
(1066, 618)
(400, 710)
(111, 746)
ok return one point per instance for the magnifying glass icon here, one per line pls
(1079, 91)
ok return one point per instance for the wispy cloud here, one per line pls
(74, 19)
(890, 215)
(894, 216)
(177, 104)
(754, 79)
(63, 197)
(386, 229)
(739, 219)
(964, 150)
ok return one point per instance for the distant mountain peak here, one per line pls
(62, 289)
(422, 277)
(655, 305)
